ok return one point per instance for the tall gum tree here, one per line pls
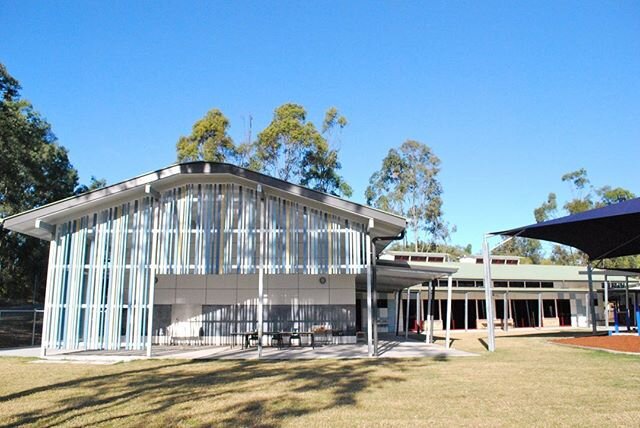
(292, 149)
(407, 184)
(209, 140)
(584, 196)
(34, 170)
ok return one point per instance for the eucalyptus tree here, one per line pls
(584, 196)
(34, 170)
(291, 148)
(407, 184)
(209, 140)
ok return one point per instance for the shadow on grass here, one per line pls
(237, 392)
(484, 343)
(551, 335)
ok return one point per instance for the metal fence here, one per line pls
(20, 327)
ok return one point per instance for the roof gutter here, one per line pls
(389, 238)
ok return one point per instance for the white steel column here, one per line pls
(374, 295)
(449, 295)
(507, 309)
(433, 299)
(370, 350)
(429, 314)
(466, 311)
(406, 315)
(261, 205)
(488, 294)
(505, 320)
(153, 261)
(540, 309)
(592, 307)
(46, 316)
(418, 311)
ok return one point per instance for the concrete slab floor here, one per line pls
(388, 348)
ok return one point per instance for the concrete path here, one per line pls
(388, 348)
(31, 351)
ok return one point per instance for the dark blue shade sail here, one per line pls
(611, 231)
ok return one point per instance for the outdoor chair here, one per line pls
(277, 339)
(252, 340)
(295, 336)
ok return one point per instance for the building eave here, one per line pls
(384, 223)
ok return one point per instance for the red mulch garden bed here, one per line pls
(614, 343)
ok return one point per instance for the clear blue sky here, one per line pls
(509, 95)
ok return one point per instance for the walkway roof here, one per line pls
(397, 275)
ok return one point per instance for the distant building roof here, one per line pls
(509, 272)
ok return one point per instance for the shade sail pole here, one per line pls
(374, 295)
(488, 293)
(606, 301)
(592, 306)
(449, 295)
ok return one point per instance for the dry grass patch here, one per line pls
(528, 381)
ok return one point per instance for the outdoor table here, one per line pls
(246, 336)
(291, 335)
(298, 335)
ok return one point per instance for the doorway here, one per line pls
(525, 313)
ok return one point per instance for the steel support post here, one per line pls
(406, 315)
(370, 350)
(155, 230)
(418, 311)
(433, 298)
(428, 320)
(606, 301)
(505, 319)
(261, 270)
(627, 303)
(397, 295)
(540, 309)
(507, 309)
(33, 329)
(488, 294)
(592, 306)
(375, 299)
(449, 296)
(466, 311)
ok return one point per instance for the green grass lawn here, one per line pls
(528, 381)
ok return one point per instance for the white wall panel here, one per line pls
(190, 296)
(289, 281)
(220, 297)
(314, 296)
(103, 263)
(342, 296)
(191, 281)
(165, 296)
